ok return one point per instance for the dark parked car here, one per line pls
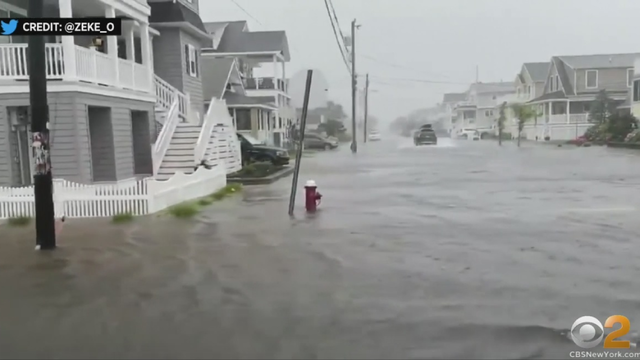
(316, 141)
(425, 136)
(256, 151)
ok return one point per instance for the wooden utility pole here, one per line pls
(303, 125)
(42, 177)
(354, 87)
(366, 106)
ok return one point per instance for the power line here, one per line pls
(335, 33)
(399, 66)
(247, 13)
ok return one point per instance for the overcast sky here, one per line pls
(436, 40)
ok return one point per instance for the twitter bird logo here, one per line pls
(9, 28)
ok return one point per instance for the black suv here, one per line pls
(256, 151)
(425, 136)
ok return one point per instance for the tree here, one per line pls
(601, 108)
(619, 126)
(522, 113)
(501, 120)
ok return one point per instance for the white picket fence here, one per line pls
(137, 197)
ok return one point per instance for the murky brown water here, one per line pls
(466, 251)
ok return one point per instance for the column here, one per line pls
(68, 44)
(112, 46)
(147, 56)
(284, 78)
(568, 112)
(129, 41)
(275, 83)
(549, 109)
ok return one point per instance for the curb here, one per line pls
(263, 180)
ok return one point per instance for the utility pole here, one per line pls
(354, 87)
(366, 106)
(42, 178)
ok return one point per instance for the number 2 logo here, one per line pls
(610, 341)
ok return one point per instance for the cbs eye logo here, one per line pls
(587, 332)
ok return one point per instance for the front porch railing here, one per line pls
(562, 119)
(91, 66)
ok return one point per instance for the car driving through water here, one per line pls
(425, 136)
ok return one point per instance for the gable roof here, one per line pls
(537, 70)
(215, 75)
(565, 81)
(600, 61)
(235, 40)
(175, 12)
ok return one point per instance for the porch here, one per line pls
(121, 62)
(564, 112)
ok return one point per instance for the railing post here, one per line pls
(68, 45)
(112, 46)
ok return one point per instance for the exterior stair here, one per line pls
(180, 154)
(161, 115)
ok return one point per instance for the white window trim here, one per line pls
(552, 82)
(630, 78)
(586, 79)
(557, 82)
(192, 70)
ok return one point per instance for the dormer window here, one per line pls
(591, 79)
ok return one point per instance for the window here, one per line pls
(629, 77)
(552, 86)
(191, 60)
(488, 113)
(636, 90)
(591, 79)
(243, 119)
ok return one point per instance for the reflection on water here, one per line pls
(462, 255)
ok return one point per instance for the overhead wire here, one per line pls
(337, 34)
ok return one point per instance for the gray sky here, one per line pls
(440, 40)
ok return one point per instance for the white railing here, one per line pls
(14, 62)
(562, 119)
(205, 132)
(164, 138)
(166, 93)
(91, 66)
(136, 197)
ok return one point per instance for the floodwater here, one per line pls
(463, 250)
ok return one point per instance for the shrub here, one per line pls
(184, 210)
(19, 221)
(122, 218)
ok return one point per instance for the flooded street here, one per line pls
(464, 250)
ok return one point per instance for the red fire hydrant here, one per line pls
(312, 196)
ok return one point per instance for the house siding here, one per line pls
(168, 57)
(608, 79)
(192, 85)
(70, 138)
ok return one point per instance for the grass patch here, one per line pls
(19, 221)
(185, 210)
(257, 170)
(190, 209)
(122, 218)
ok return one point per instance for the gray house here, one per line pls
(269, 51)
(531, 79)
(100, 94)
(573, 82)
(176, 51)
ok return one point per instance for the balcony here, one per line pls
(91, 66)
(265, 83)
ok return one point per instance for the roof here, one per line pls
(600, 61)
(454, 97)
(565, 80)
(215, 75)
(236, 40)
(538, 70)
(238, 100)
(552, 95)
(169, 12)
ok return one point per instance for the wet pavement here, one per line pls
(464, 250)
